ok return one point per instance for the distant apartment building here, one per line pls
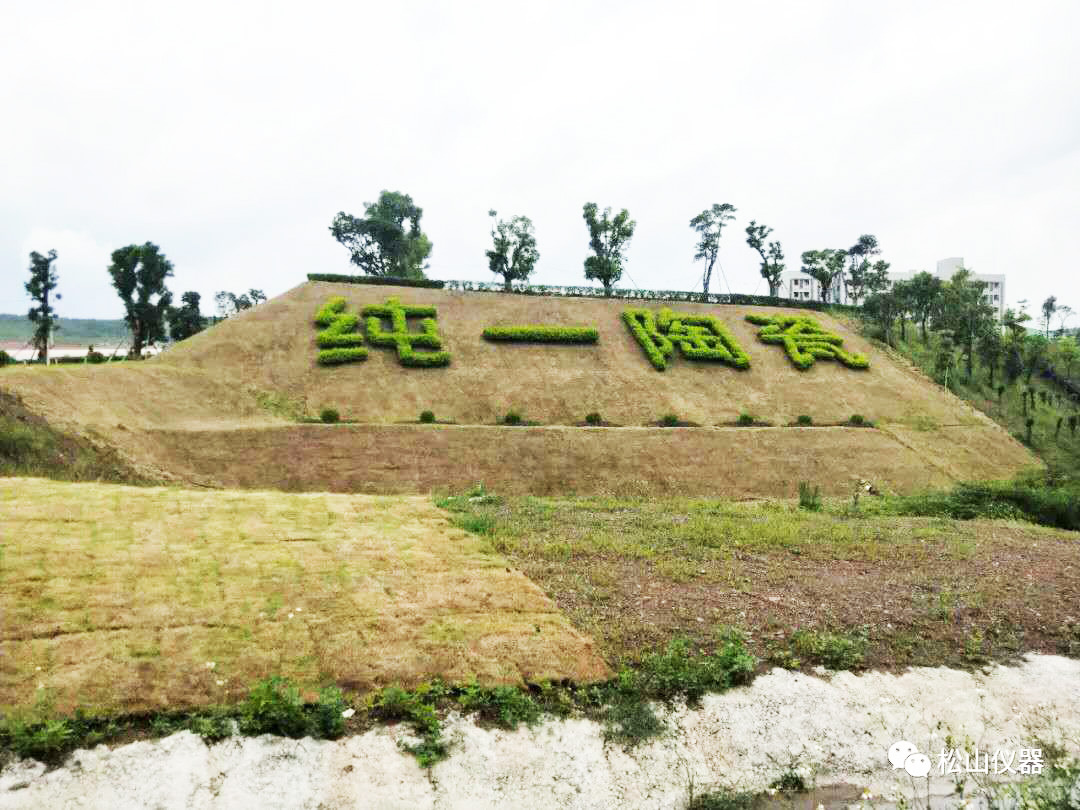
(801, 287)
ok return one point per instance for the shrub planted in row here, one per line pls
(401, 338)
(542, 334)
(804, 340)
(387, 280)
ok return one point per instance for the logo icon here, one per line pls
(903, 754)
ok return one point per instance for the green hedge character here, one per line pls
(805, 340)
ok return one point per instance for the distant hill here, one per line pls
(71, 330)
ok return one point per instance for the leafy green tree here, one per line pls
(772, 256)
(966, 313)
(825, 267)
(1049, 307)
(991, 349)
(387, 240)
(901, 292)
(608, 238)
(43, 280)
(709, 223)
(882, 308)
(925, 296)
(1068, 352)
(138, 274)
(186, 320)
(860, 267)
(514, 254)
(1034, 351)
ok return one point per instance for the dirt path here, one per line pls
(832, 730)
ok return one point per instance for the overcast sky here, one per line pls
(229, 134)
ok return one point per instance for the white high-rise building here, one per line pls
(801, 287)
(946, 268)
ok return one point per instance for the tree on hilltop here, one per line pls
(186, 320)
(138, 274)
(608, 238)
(43, 280)
(513, 255)
(772, 257)
(387, 240)
(825, 267)
(709, 223)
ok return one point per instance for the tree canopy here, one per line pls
(608, 238)
(138, 273)
(825, 267)
(772, 256)
(43, 280)
(186, 320)
(387, 240)
(513, 255)
(709, 224)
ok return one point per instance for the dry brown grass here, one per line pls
(117, 597)
(733, 462)
(209, 384)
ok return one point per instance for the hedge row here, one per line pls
(543, 334)
(805, 341)
(642, 325)
(699, 337)
(387, 280)
(337, 357)
(703, 338)
(401, 338)
(557, 291)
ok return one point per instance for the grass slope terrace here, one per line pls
(195, 412)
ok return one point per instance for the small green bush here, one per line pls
(809, 498)
(790, 782)
(669, 420)
(804, 420)
(329, 416)
(723, 799)
(274, 706)
(593, 418)
(857, 419)
(833, 650)
(427, 417)
(542, 334)
(745, 419)
(512, 418)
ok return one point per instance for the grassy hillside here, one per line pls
(78, 331)
(221, 408)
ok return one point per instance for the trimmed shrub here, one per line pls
(857, 419)
(387, 280)
(593, 418)
(542, 334)
(699, 337)
(745, 419)
(512, 418)
(336, 357)
(401, 338)
(804, 420)
(95, 357)
(338, 341)
(804, 340)
(669, 420)
(642, 326)
(329, 416)
(427, 417)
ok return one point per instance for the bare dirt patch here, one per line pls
(120, 597)
(890, 591)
